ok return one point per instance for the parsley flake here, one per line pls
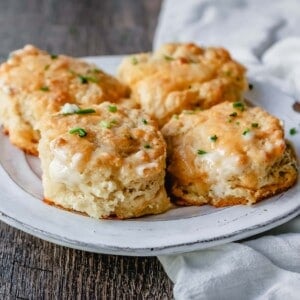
(108, 124)
(85, 111)
(293, 131)
(227, 73)
(54, 56)
(201, 152)
(254, 125)
(85, 79)
(246, 131)
(147, 146)
(112, 108)
(213, 138)
(168, 58)
(145, 122)
(239, 105)
(134, 60)
(234, 114)
(105, 124)
(44, 89)
(71, 109)
(77, 130)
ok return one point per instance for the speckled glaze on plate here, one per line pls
(179, 230)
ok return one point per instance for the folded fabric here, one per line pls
(264, 269)
(264, 36)
(235, 24)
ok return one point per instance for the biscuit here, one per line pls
(182, 76)
(34, 82)
(226, 155)
(106, 163)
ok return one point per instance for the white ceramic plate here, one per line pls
(179, 230)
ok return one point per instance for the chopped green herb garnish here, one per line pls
(92, 79)
(145, 121)
(134, 60)
(114, 122)
(169, 58)
(251, 86)
(237, 123)
(112, 108)
(96, 70)
(105, 124)
(239, 105)
(82, 79)
(213, 138)
(108, 124)
(54, 56)
(47, 67)
(147, 146)
(293, 131)
(246, 131)
(227, 73)
(85, 79)
(254, 125)
(201, 152)
(77, 130)
(234, 114)
(44, 89)
(176, 117)
(85, 111)
(74, 109)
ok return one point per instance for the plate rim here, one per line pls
(163, 250)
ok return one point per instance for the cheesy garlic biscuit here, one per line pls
(226, 155)
(34, 82)
(109, 161)
(182, 76)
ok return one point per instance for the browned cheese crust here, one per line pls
(182, 76)
(116, 169)
(229, 154)
(34, 83)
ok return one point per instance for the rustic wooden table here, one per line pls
(29, 267)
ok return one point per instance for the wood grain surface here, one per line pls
(31, 268)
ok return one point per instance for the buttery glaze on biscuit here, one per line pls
(110, 162)
(34, 82)
(182, 76)
(230, 154)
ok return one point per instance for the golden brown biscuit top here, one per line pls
(182, 76)
(188, 62)
(115, 137)
(57, 79)
(227, 140)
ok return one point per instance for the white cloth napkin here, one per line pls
(265, 36)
